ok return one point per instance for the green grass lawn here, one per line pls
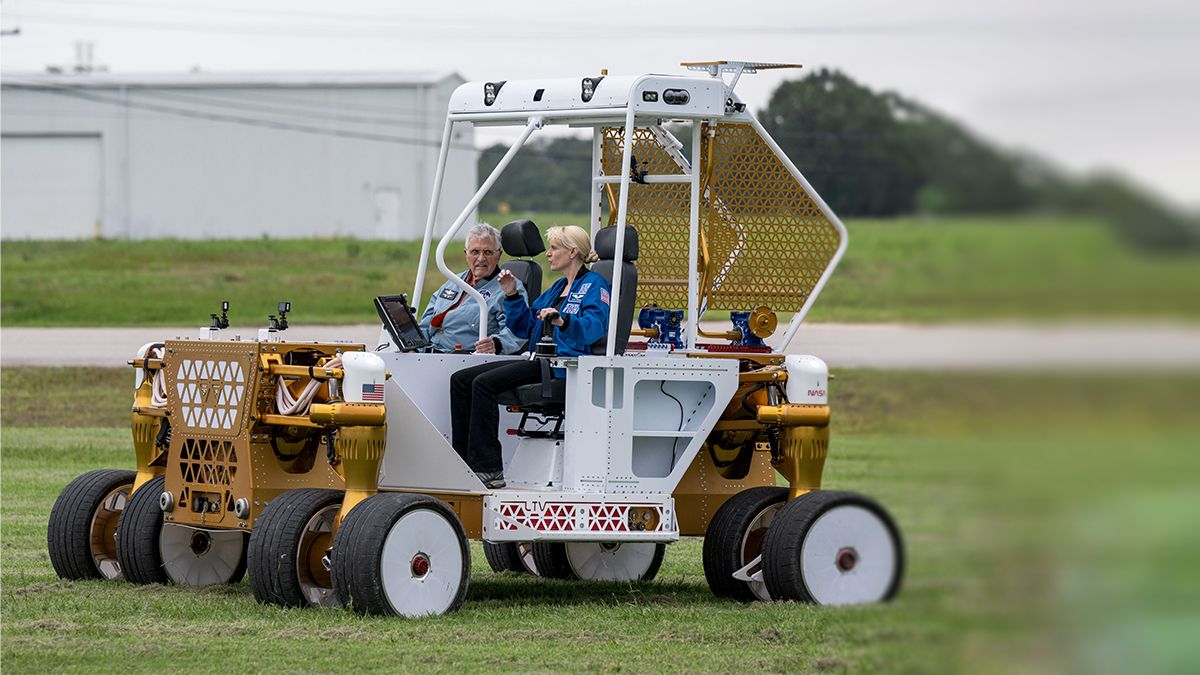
(902, 270)
(1046, 532)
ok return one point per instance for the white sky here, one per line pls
(1087, 84)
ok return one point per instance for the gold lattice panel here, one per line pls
(208, 385)
(659, 212)
(768, 240)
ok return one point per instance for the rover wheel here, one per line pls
(289, 541)
(550, 560)
(81, 535)
(198, 557)
(833, 548)
(138, 533)
(614, 561)
(510, 556)
(401, 554)
(734, 539)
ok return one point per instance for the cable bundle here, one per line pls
(287, 404)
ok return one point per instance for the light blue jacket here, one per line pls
(461, 325)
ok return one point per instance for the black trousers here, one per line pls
(475, 413)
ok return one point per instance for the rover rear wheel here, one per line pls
(138, 533)
(81, 535)
(615, 561)
(510, 556)
(401, 554)
(550, 560)
(198, 557)
(289, 541)
(833, 548)
(734, 539)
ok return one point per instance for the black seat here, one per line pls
(547, 399)
(521, 239)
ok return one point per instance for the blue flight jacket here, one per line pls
(461, 325)
(585, 311)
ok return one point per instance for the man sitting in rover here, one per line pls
(452, 319)
(576, 305)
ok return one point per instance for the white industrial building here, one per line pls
(204, 155)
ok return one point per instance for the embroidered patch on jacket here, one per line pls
(603, 296)
(448, 294)
(572, 308)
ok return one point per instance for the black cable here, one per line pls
(674, 446)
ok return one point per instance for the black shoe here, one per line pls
(491, 479)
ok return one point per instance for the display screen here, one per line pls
(398, 318)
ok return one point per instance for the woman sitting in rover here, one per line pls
(576, 305)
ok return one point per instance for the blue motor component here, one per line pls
(741, 323)
(667, 321)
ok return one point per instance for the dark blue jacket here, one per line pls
(585, 311)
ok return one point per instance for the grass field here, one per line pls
(1051, 526)
(903, 270)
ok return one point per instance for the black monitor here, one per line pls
(400, 322)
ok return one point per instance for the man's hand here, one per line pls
(550, 315)
(507, 282)
(485, 346)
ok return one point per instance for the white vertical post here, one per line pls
(693, 302)
(622, 210)
(597, 137)
(439, 173)
(534, 124)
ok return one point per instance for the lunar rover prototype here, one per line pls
(324, 472)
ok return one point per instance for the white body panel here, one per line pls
(706, 96)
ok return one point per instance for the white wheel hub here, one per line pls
(610, 561)
(196, 557)
(848, 557)
(422, 564)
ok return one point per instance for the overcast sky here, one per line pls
(1089, 85)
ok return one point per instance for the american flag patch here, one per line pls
(372, 392)
(604, 296)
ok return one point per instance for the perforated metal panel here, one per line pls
(659, 212)
(764, 240)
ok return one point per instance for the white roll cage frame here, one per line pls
(597, 118)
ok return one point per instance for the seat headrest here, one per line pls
(606, 243)
(521, 239)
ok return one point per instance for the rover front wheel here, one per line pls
(401, 554)
(614, 561)
(833, 548)
(81, 534)
(138, 535)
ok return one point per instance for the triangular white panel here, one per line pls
(229, 395)
(179, 391)
(238, 396)
(237, 371)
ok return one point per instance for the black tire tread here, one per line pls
(504, 557)
(660, 551)
(782, 570)
(723, 540)
(358, 547)
(138, 533)
(68, 533)
(270, 555)
(550, 558)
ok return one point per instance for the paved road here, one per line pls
(889, 346)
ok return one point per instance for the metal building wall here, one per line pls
(299, 156)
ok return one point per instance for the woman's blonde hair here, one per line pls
(573, 236)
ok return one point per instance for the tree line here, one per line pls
(875, 154)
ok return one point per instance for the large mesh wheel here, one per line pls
(735, 538)
(81, 534)
(833, 548)
(290, 538)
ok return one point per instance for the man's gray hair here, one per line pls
(482, 231)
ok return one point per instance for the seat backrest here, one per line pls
(606, 248)
(521, 239)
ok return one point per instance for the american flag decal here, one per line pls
(604, 296)
(372, 392)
